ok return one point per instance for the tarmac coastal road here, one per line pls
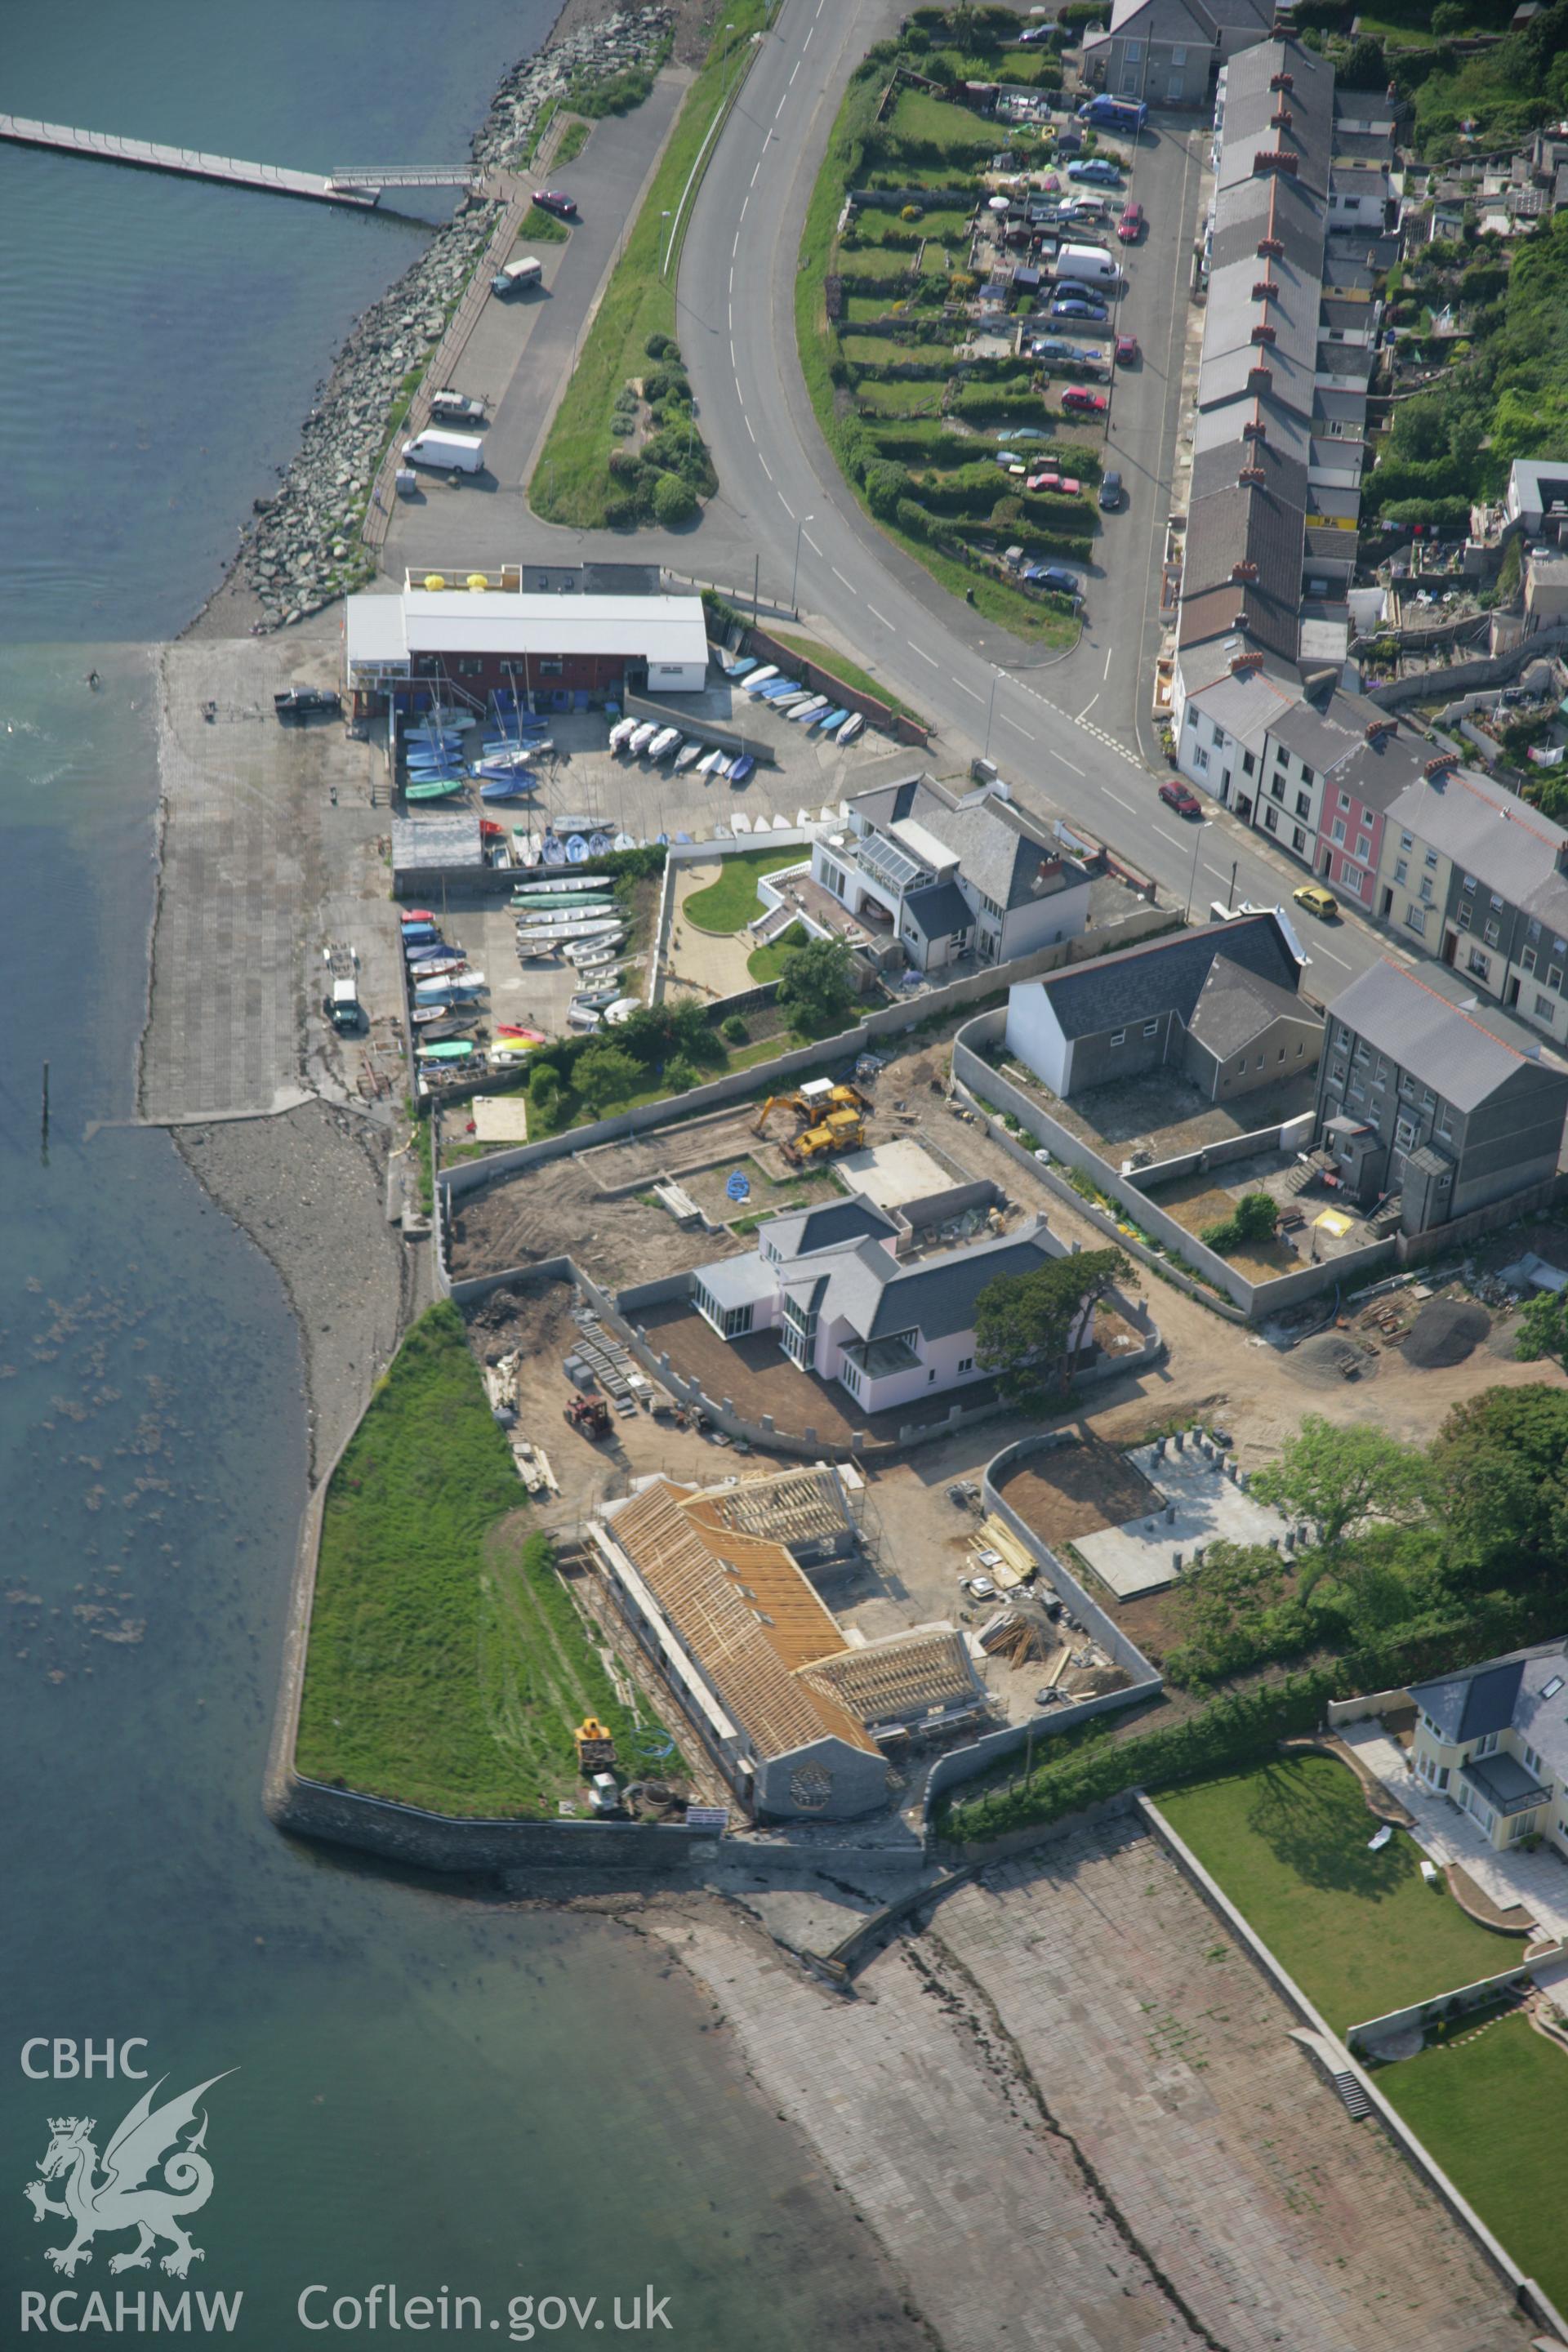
(1065, 725)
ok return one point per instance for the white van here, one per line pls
(453, 453)
(519, 277)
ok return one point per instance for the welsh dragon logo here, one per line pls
(125, 2197)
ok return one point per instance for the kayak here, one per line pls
(449, 1049)
(433, 788)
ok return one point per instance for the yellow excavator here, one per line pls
(832, 1119)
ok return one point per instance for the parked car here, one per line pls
(1182, 798)
(1055, 576)
(1111, 491)
(1044, 482)
(1070, 486)
(1099, 170)
(1127, 351)
(551, 200)
(1078, 306)
(1129, 228)
(1317, 901)
(1078, 396)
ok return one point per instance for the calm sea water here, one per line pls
(430, 2091)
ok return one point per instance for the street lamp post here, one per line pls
(729, 45)
(667, 239)
(990, 708)
(1203, 826)
(794, 575)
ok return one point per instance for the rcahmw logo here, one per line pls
(152, 2176)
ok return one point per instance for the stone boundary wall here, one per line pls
(1414, 1249)
(880, 715)
(1526, 2293)
(424, 1841)
(1256, 1300)
(1469, 1996)
(1492, 669)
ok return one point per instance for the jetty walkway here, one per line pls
(359, 189)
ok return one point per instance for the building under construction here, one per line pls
(798, 1716)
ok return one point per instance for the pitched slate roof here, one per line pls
(1527, 1690)
(1165, 975)
(939, 910)
(1002, 851)
(1463, 1055)
(1235, 1006)
(835, 1223)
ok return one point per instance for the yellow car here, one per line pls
(1317, 901)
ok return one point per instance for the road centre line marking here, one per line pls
(798, 63)
(756, 169)
(749, 430)
(872, 609)
(783, 500)
(969, 690)
(1334, 959)
(810, 541)
(838, 575)
(924, 655)
(1117, 799)
(1105, 673)
(764, 465)
(1068, 764)
(1017, 729)
(780, 107)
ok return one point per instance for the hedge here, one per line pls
(1241, 1728)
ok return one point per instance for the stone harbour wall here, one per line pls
(302, 549)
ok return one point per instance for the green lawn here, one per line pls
(571, 483)
(1361, 1933)
(1494, 2113)
(732, 902)
(447, 1665)
(767, 963)
(541, 228)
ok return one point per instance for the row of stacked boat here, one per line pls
(646, 739)
(448, 1004)
(438, 766)
(817, 713)
(575, 916)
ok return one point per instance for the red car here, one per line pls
(1130, 226)
(1070, 486)
(1126, 351)
(551, 200)
(1182, 798)
(1044, 482)
(1078, 396)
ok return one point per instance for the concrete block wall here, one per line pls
(1437, 2004)
(981, 1083)
(434, 1842)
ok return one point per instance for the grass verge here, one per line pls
(1361, 1933)
(1493, 2110)
(838, 666)
(572, 482)
(447, 1663)
(767, 963)
(732, 902)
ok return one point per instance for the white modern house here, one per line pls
(1494, 1740)
(952, 874)
(827, 1282)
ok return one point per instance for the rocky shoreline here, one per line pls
(302, 548)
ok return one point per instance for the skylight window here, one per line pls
(1552, 1688)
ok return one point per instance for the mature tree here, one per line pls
(691, 1034)
(1217, 1603)
(1543, 1327)
(604, 1075)
(1344, 1479)
(815, 983)
(1501, 1467)
(1026, 1325)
